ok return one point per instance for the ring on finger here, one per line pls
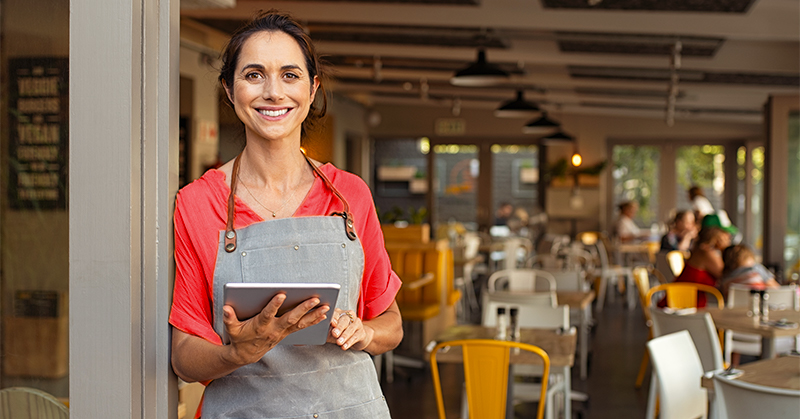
(348, 314)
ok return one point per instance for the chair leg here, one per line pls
(601, 292)
(642, 369)
(652, 398)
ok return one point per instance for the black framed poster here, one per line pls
(38, 108)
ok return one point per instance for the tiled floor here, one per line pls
(618, 340)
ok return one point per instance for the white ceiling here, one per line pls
(749, 55)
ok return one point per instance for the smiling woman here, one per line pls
(295, 211)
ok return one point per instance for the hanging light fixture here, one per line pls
(517, 108)
(542, 125)
(559, 137)
(479, 73)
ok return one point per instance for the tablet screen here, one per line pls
(248, 299)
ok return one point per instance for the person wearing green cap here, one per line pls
(720, 220)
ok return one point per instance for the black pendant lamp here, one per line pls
(543, 125)
(517, 108)
(479, 73)
(559, 137)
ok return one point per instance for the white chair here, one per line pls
(677, 371)
(571, 280)
(605, 270)
(547, 298)
(521, 280)
(704, 335)
(700, 326)
(742, 400)
(30, 403)
(539, 317)
(472, 260)
(750, 344)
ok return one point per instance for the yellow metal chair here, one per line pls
(486, 364)
(684, 294)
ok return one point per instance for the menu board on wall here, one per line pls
(38, 99)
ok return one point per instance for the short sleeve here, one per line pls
(191, 306)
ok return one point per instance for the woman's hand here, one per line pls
(348, 331)
(252, 338)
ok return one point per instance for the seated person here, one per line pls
(681, 233)
(705, 265)
(741, 268)
(625, 229)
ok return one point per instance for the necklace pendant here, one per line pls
(274, 215)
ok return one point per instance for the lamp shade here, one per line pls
(558, 138)
(543, 125)
(479, 73)
(517, 108)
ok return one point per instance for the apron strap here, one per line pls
(345, 214)
(230, 233)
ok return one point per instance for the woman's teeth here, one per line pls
(273, 113)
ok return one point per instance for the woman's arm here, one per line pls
(196, 359)
(376, 336)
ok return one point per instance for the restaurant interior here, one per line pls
(531, 163)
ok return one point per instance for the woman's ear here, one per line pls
(314, 87)
(228, 92)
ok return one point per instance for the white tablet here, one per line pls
(248, 299)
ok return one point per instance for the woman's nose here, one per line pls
(272, 90)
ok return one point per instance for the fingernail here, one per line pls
(345, 346)
(315, 301)
(340, 341)
(336, 332)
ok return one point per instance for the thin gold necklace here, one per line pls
(274, 213)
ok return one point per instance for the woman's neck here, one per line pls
(279, 166)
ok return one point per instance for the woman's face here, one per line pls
(686, 223)
(272, 90)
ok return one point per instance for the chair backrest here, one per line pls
(779, 298)
(569, 280)
(472, 244)
(684, 294)
(676, 261)
(521, 280)
(739, 400)
(678, 371)
(486, 375)
(552, 243)
(599, 241)
(30, 403)
(501, 298)
(663, 266)
(641, 278)
(700, 326)
(531, 314)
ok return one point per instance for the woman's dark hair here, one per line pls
(695, 191)
(680, 215)
(274, 21)
(709, 235)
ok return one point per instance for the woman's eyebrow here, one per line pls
(261, 67)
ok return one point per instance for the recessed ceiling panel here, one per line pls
(714, 6)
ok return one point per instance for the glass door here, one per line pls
(636, 174)
(456, 171)
(34, 239)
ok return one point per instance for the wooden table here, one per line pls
(783, 372)
(736, 319)
(559, 347)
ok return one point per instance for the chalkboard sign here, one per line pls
(38, 99)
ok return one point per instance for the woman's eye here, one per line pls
(291, 76)
(252, 76)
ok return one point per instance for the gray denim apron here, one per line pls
(295, 381)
